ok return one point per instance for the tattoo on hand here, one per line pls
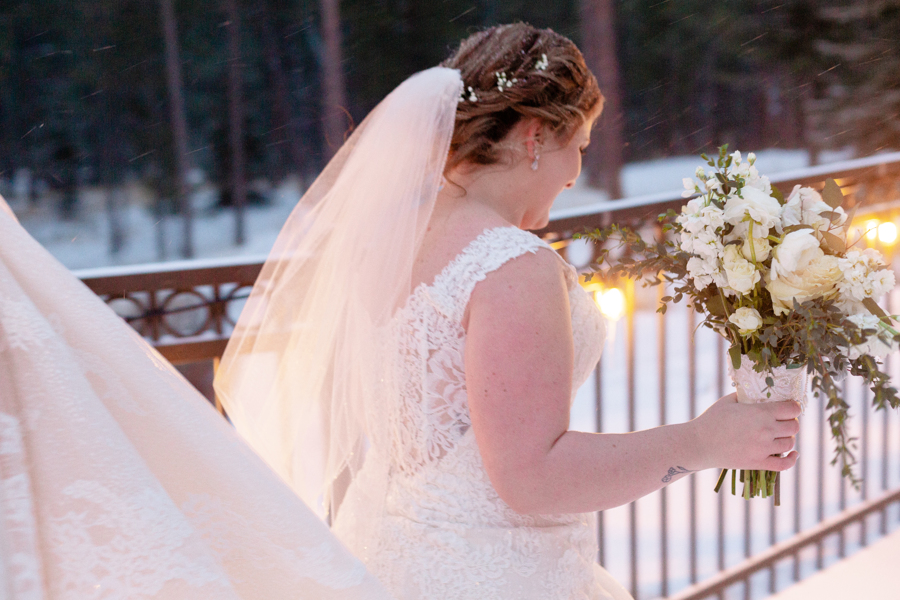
(673, 472)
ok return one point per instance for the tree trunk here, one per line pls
(282, 102)
(179, 123)
(604, 160)
(108, 132)
(235, 121)
(335, 101)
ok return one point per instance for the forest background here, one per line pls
(103, 92)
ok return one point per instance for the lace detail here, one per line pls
(118, 480)
(442, 531)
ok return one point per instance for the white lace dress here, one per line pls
(422, 513)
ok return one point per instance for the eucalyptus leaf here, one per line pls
(735, 353)
(776, 193)
(716, 306)
(834, 243)
(797, 227)
(874, 308)
(832, 194)
(834, 217)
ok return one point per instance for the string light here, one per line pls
(887, 233)
(611, 303)
(872, 229)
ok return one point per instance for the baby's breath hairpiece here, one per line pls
(471, 97)
(503, 82)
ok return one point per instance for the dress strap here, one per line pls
(486, 253)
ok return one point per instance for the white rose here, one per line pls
(740, 273)
(801, 271)
(805, 205)
(747, 320)
(759, 248)
(755, 204)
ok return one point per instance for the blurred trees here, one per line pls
(84, 94)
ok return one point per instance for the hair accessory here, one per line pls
(503, 82)
(542, 63)
(471, 97)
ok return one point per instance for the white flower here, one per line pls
(801, 271)
(747, 320)
(877, 345)
(740, 273)
(736, 157)
(751, 158)
(864, 276)
(805, 206)
(700, 173)
(755, 204)
(759, 249)
(756, 247)
(689, 187)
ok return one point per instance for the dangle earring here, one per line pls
(534, 164)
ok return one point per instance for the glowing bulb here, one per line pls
(887, 233)
(611, 303)
(872, 229)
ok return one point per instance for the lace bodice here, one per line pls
(441, 530)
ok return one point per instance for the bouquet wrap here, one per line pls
(751, 387)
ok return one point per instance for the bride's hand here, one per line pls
(748, 436)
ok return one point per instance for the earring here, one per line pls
(534, 164)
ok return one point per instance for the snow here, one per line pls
(871, 573)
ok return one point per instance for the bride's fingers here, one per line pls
(787, 428)
(783, 444)
(780, 463)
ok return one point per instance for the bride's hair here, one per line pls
(517, 71)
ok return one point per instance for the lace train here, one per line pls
(118, 480)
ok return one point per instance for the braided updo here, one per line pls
(552, 84)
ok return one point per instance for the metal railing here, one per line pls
(684, 541)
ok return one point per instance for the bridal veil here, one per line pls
(306, 364)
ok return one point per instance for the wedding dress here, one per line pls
(422, 513)
(118, 480)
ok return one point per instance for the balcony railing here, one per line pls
(684, 541)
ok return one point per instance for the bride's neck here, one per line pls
(496, 188)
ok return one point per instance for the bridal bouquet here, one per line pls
(780, 280)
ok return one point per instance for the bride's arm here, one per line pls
(519, 359)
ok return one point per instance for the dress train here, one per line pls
(118, 480)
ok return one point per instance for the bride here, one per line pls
(405, 362)
(409, 353)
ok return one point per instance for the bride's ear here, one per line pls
(531, 133)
